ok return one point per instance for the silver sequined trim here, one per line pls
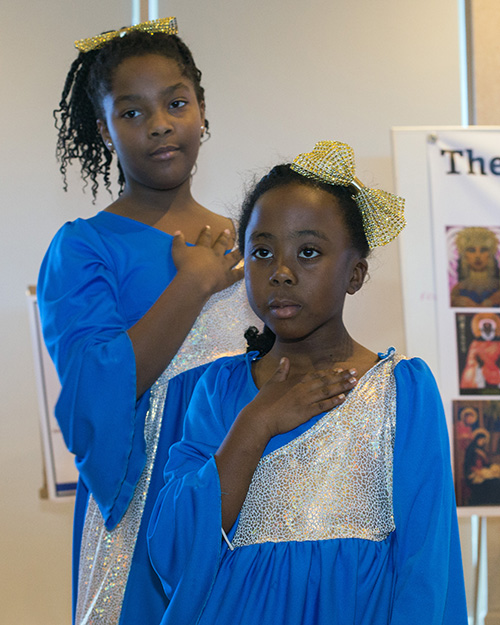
(334, 480)
(106, 556)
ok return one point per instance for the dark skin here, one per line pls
(299, 266)
(154, 122)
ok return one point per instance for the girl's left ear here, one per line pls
(358, 275)
(103, 131)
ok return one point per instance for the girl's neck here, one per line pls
(305, 357)
(151, 205)
(168, 210)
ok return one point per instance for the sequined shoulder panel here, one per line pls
(334, 480)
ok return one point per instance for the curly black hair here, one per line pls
(279, 176)
(88, 81)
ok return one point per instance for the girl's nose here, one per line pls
(282, 275)
(160, 124)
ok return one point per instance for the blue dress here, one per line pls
(349, 519)
(98, 278)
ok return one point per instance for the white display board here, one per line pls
(60, 472)
(422, 293)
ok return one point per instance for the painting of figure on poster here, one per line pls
(476, 430)
(473, 266)
(478, 349)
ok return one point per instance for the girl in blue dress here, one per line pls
(284, 504)
(133, 301)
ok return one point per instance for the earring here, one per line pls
(109, 145)
(204, 137)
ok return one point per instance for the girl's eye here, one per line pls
(130, 114)
(261, 253)
(177, 104)
(308, 252)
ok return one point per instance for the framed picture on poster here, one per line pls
(478, 353)
(473, 266)
(476, 436)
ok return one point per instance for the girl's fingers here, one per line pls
(325, 405)
(282, 370)
(223, 242)
(205, 237)
(334, 374)
(178, 240)
(280, 373)
(327, 393)
(331, 383)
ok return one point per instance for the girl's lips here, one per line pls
(284, 310)
(165, 153)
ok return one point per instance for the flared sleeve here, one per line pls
(429, 585)
(185, 528)
(85, 331)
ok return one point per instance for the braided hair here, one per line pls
(280, 176)
(88, 81)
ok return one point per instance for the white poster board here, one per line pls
(60, 471)
(431, 211)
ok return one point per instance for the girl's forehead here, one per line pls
(296, 203)
(144, 71)
(149, 62)
(296, 212)
(148, 76)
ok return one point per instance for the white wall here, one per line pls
(279, 75)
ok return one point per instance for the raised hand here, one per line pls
(207, 262)
(283, 404)
(202, 270)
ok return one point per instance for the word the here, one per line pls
(470, 164)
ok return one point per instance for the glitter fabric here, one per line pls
(106, 556)
(333, 481)
(167, 25)
(333, 162)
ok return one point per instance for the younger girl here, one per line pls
(331, 514)
(128, 306)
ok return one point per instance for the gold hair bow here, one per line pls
(333, 162)
(167, 25)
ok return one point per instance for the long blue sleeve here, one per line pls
(90, 292)
(429, 586)
(185, 527)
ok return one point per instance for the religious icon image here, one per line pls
(476, 434)
(473, 266)
(478, 348)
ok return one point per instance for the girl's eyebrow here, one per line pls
(311, 233)
(261, 235)
(136, 97)
(296, 235)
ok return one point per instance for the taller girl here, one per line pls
(127, 301)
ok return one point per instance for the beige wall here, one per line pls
(279, 75)
(485, 61)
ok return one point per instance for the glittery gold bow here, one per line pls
(167, 25)
(333, 162)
